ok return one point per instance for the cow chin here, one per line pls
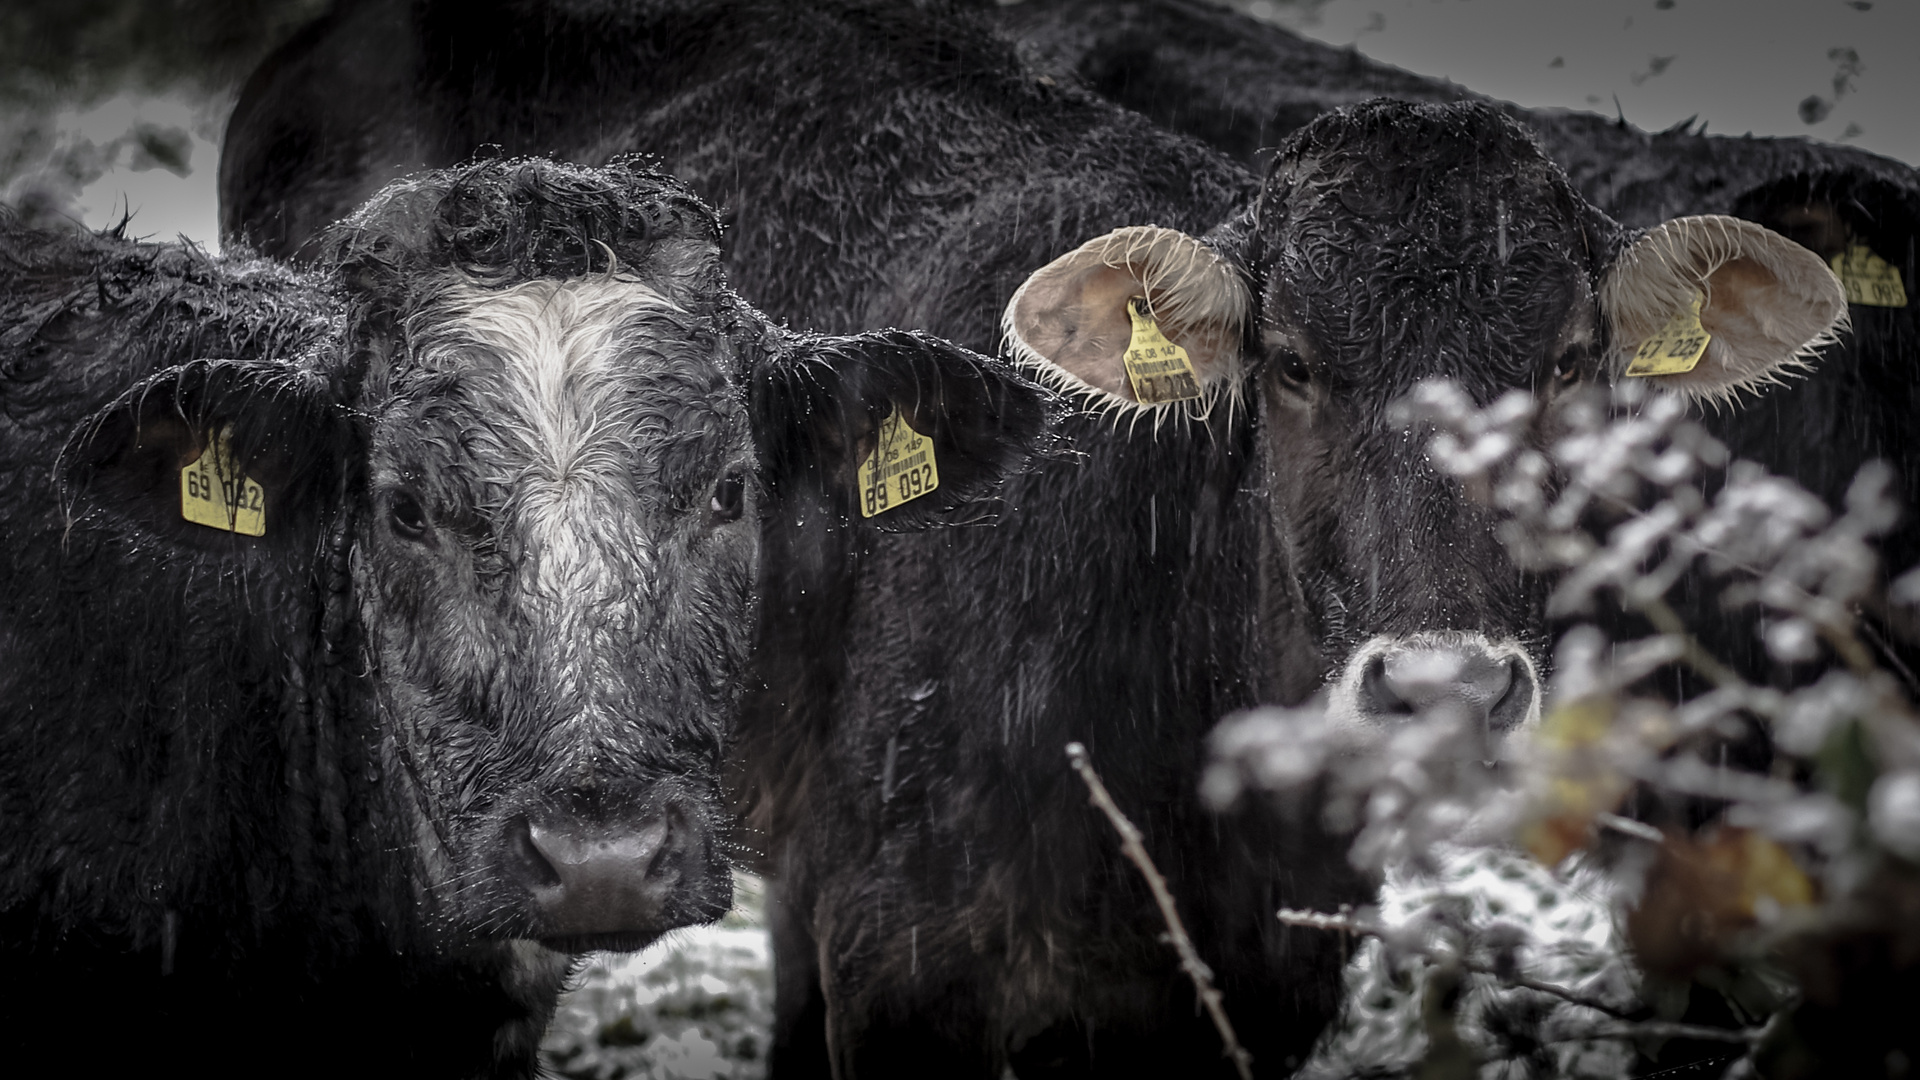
(1490, 688)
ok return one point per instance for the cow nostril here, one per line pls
(1377, 693)
(673, 830)
(615, 883)
(534, 869)
(1516, 705)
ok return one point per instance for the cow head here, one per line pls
(1864, 218)
(1394, 243)
(542, 473)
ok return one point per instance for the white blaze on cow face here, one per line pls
(570, 430)
(561, 402)
(568, 588)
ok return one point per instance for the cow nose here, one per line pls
(1491, 690)
(618, 884)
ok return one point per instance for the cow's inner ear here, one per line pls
(1765, 301)
(1071, 321)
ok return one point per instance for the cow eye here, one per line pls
(729, 495)
(1291, 367)
(407, 516)
(1572, 363)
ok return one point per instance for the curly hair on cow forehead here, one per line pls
(499, 223)
(1383, 158)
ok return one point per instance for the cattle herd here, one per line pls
(501, 543)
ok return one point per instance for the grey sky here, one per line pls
(1740, 65)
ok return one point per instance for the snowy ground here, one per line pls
(698, 1005)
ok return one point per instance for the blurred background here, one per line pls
(113, 107)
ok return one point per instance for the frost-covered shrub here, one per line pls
(1495, 909)
(1785, 896)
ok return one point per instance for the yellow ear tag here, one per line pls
(1158, 369)
(214, 494)
(1868, 278)
(900, 469)
(1676, 348)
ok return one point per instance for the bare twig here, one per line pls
(1883, 649)
(1665, 1029)
(1628, 1026)
(1630, 827)
(1190, 962)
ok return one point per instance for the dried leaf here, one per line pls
(1701, 894)
(1577, 783)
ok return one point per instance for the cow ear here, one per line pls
(824, 408)
(1766, 303)
(270, 432)
(1071, 321)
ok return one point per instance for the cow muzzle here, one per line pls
(620, 883)
(1490, 688)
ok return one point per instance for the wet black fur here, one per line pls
(197, 856)
(1243, 85)
(216, 831)
(891, 165)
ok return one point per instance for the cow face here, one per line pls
(545, 475)
(1394, 243)
(556, 574)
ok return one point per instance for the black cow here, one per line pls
(1238, 83)
(1242, 85)
(367, 641)
(947, 902)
